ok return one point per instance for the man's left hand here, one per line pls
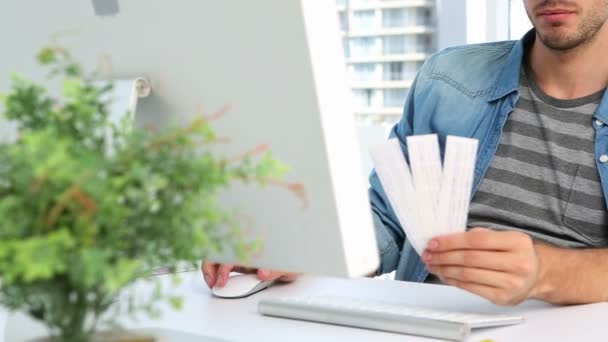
(500, 266)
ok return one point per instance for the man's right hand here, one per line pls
(217, 274)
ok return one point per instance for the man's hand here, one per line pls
(217, 274)
(500, 266)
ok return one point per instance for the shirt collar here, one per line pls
(508, 78)
(602, 111)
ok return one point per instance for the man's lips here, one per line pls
(556, 15)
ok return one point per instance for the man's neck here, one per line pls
(575, 73)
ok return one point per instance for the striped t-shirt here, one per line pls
(543, 179)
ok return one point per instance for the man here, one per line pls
(538, 108)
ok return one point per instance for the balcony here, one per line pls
(390, 31)
(409, 57)
(381, 84)
(354, 5)
(392, 111)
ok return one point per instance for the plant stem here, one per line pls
(74, 328)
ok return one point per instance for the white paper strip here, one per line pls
(431, 200)
(425, 163)
(396, 180)
(456, 184)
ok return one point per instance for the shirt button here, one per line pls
(599, 122)
(604, 158)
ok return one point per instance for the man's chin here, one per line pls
(560, 41)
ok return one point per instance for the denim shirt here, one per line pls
(466, 91)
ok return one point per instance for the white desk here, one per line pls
(238, 320)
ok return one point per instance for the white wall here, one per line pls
(7, 130)
(369, 135)
(472, 21)
(451, 23)
(520, 23)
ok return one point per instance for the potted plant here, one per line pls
(78, 224)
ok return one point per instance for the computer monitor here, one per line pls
(278, 64)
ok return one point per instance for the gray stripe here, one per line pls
(522, 208)
(586, 108)
(556, 240)
(544, 235)
(517, 219)
(520, 187)
(517, 186)
(564, 140)
(549, 148)
(526, 216)
(566, 116)
(546, 121)
(541, 173)
(535, 158)
(543, 178)
(585, 216)
(547, 220)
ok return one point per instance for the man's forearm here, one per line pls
(572, 276)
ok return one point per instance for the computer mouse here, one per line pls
(240, 286)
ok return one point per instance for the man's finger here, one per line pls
(478, 238)
(265, 274)
(288, 278)
(209, 273)
(222, 274)
(477, 276)
(498, 261)
(493, 294)
(244, 270)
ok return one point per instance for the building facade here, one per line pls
(385, 43)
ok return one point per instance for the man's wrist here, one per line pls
(544, 288)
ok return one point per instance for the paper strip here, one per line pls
(425, 163)
(396, 180)
(456, 185)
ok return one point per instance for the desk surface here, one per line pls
(238, 320)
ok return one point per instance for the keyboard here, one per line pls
(390, 317)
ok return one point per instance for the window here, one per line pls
(410, 69)
(364, 72)
(393, 71)
(395, 97)
(363, 46)
(394, 17)
(366, 98)
(343, 21)
(401, 44)
(395, 45)
(426, 17)
(346, 48)
(400, 71)
(359, 2)
(424, 43)
(364, 20)
(403, 17)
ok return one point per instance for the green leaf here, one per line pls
(46, 56)
(72, 87)
(39, 258)
(176, 302)
(80, 224)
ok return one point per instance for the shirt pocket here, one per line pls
(585, 212)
